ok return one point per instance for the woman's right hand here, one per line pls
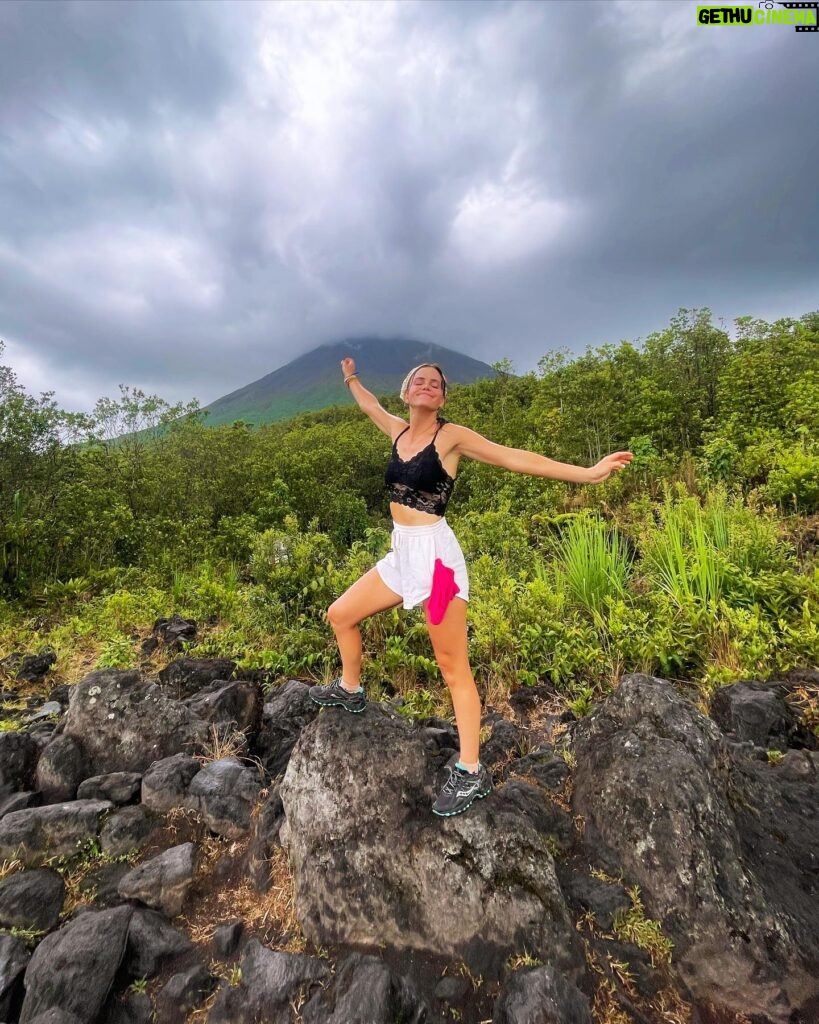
(347, 366)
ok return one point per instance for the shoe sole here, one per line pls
(338, 704)
(452, 814)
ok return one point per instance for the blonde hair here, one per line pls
(413, 371)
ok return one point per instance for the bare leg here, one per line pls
(450, 645)
(367, 596)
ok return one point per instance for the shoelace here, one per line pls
(451, 784)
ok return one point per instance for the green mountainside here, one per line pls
(314, 381)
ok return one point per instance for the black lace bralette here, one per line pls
(420, 482)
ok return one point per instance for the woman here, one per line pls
(426, 566)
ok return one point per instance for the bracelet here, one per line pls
(348, 379)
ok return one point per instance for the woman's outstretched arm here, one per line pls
(369, 404)
(475, 446)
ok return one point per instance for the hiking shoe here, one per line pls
(334, 695)
(460, 791)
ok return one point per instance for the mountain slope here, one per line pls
(314, 381)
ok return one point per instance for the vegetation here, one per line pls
(690, 564)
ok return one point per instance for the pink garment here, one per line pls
(444, 588)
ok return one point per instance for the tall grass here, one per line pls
(684, 555)
(592, 563)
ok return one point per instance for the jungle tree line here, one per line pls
(142, 482)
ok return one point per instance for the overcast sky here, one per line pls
(193, 194)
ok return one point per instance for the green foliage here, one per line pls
(793, 481)
(679, 566)
(633, 926)
(593, 564)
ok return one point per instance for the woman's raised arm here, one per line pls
(369, 404)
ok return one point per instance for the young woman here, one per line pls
(426, 565)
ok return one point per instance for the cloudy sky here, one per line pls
(192, 194)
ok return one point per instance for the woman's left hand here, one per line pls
(610, 464)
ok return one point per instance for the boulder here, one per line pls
(31, 900)
(183, 993)
(125, 830)
(61, 768)
(129, 1008)
(175, 631)
(723, 850)
(57, 830)
(591, 896)
(226, 938)
(163, 881)
(126, 724)
(541, 996)
(30, 668)
(151, 940)
(366, 991)
(14, 958)
(56, 1016)
(100, 885)
(19, 802)
(165, 784)
(287, 711)
(18, 761)
(355, 828)
(549, 819)
(757, 712)
(503, 743)
(73, 968)
(270, 980)
(544, 766)
(224, 793)
(229, 707)
(118, 787)
(185, 677)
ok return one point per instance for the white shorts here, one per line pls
(408, 567)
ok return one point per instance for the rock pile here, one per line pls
(643, 858)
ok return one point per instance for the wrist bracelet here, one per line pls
(348, 379)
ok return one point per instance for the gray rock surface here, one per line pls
(73, 968)
(185, 677)
(266, 830)
(354, 827)
(230, 706)
(18, 761)
(725, 857)
(128, 1008)
(165, 784)
(366, 991)
(286, 712)
(164, 881)
(19, 802)
(61, 768)
(183, 993)
(224, 793)
(57, 830)
(126, 829)
(226, 938)
(31, 900)
(14, 958)
(541, 996)
(118, 787)
(757, 712)
(126, 724)
(152, 939)
(270, 980)
(56, 1016)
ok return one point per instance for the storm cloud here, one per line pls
(193, 194)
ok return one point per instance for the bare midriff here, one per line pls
(405, 516)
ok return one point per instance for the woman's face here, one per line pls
(426, 389)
